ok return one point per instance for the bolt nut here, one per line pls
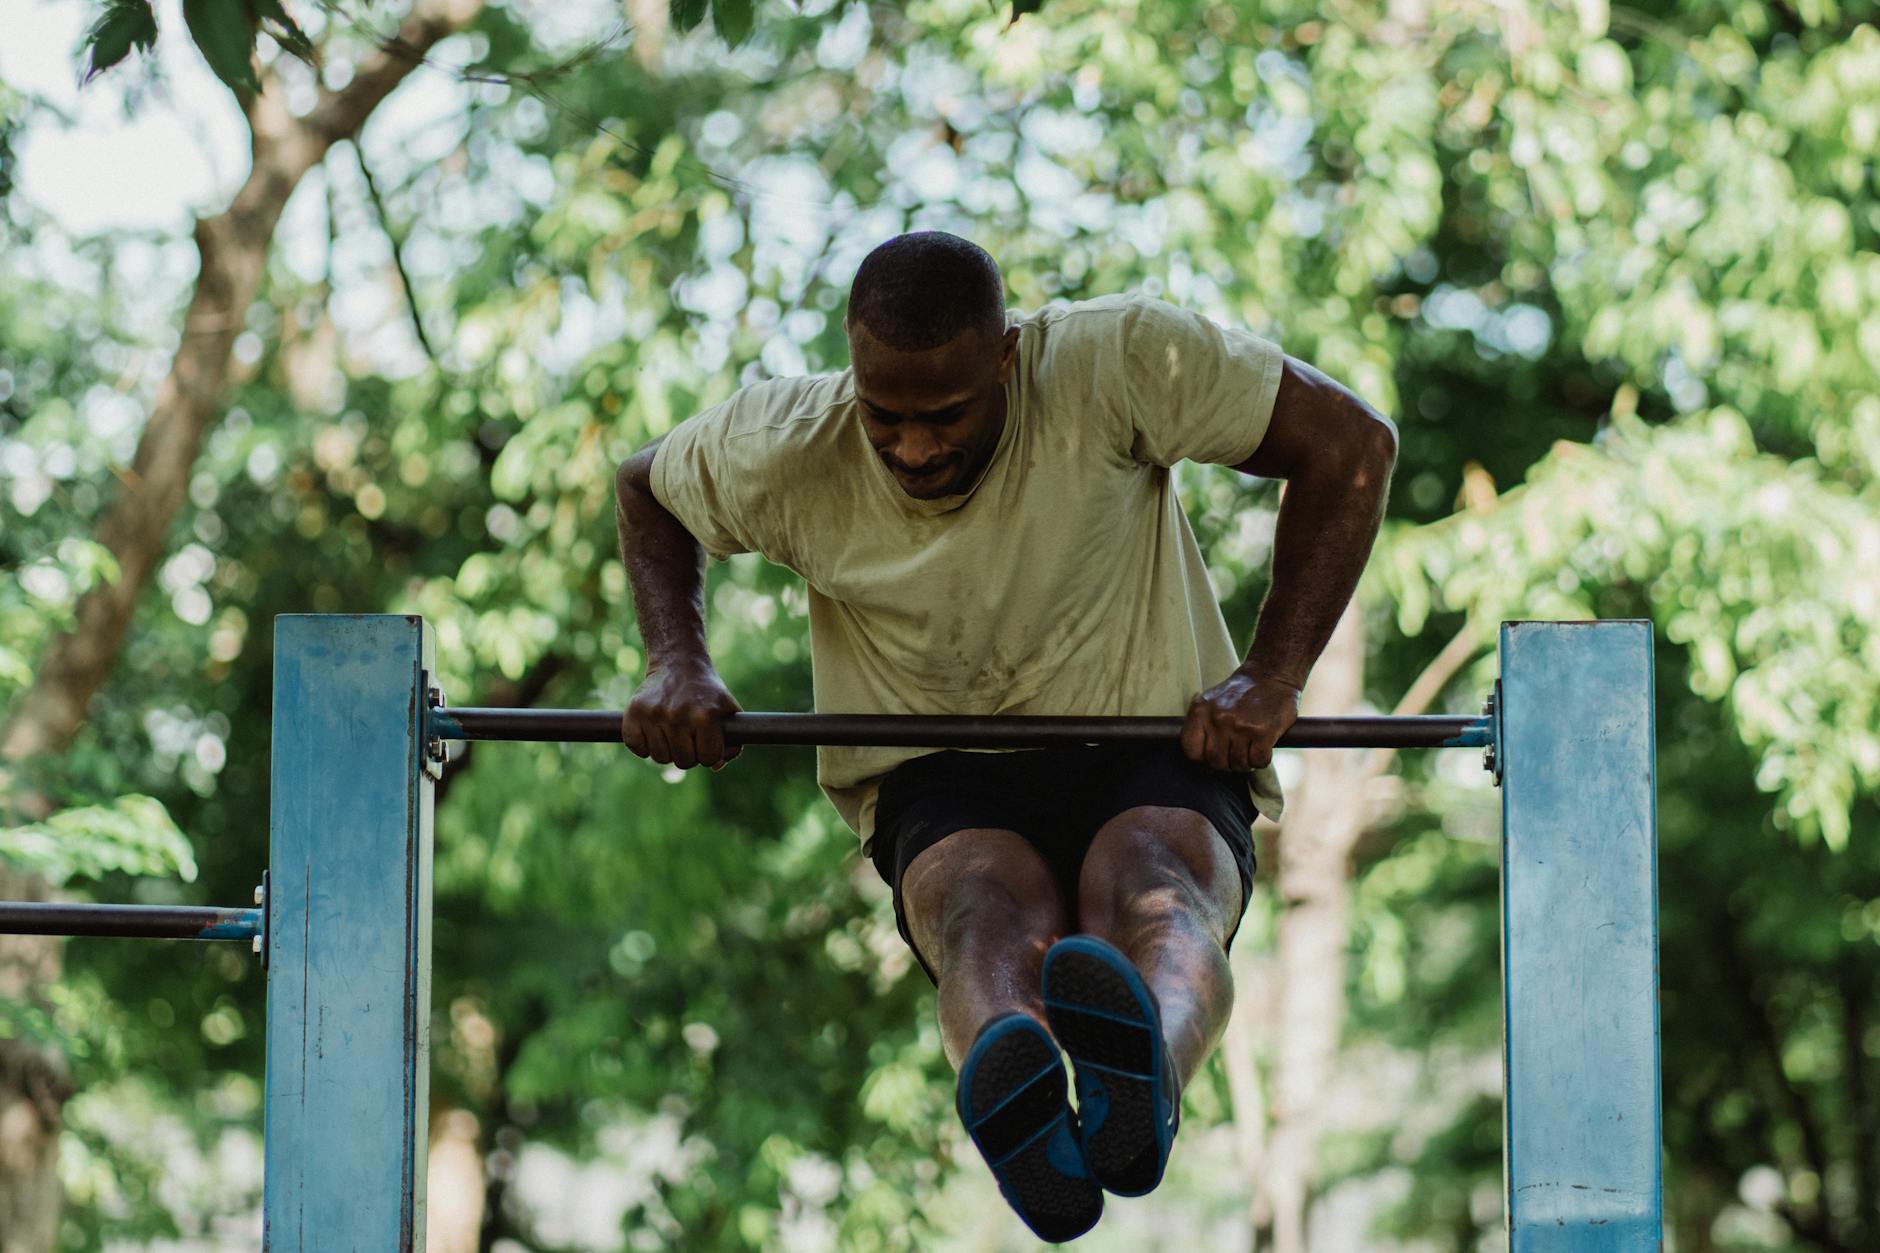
(261, 895)
(255, 946)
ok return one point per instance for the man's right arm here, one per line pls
(677, 715)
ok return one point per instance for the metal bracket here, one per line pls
(435, 752)
(260, 945)
(1491, 756)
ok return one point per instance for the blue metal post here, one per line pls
(349, 942)
(1580, 937)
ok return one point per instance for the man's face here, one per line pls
(933, 416)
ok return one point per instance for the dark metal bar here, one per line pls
(955, 730)
(149, 922)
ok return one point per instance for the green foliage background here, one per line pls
(1613, 271)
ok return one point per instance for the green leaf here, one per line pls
(124, 25)
(284, 30)
(687, 14)
(225, 32)
(733, 20)
(134, 834)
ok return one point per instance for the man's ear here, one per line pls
(1008, 353)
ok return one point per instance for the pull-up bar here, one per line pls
(346, 912)
(159, 922)
(145, 922)
(956, 730)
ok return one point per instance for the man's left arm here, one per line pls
(1336, 455)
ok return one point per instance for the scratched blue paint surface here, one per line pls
(1480, 734)
(241, 924)
(1580, 937)
(349, 964)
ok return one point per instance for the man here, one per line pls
(982, 510)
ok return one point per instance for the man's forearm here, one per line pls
(666, 568)
(1328, 519)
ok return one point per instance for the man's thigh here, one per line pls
(979, 886)
(1156, 860)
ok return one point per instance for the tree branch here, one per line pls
(520, 694)
(233, 249)
(1812, 1223)
(398, 252)
(1856, 986)
(339, 114)
(1457, 653)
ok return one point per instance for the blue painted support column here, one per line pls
(349, 949)
(1580, 937)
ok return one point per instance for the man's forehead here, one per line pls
(963, 347)
(910, 402)
(912, 382)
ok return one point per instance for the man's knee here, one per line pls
(1154, 866)
(980, 886)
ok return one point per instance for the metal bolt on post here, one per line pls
(259, 946)
(436, 751)
(1491, 762)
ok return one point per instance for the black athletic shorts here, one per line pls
(1056, 798)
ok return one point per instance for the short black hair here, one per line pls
(922, 289)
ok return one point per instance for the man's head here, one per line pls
(927, 337)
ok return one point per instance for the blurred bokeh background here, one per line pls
(373, 340)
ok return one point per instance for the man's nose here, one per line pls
(918, 448)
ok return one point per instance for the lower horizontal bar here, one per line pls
(954, 730)
(148, 922)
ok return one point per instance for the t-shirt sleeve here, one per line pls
(1197, 391)
(710, 476)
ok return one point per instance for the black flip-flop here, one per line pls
(1014, 1099)
(1128, 1099)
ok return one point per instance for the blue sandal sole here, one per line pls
(1106, 1019)
(1013, 1097)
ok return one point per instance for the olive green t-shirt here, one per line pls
(1066, 580)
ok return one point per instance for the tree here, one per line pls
(1610, 271)
(133, 532)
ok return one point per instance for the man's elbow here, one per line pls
(1383, 438)
(1371, 451)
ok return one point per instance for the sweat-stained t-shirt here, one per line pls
(1066, 580)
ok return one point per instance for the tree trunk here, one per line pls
(1865, 1148)
(33, 1088)
(1324, 818)
(232, 249)
(1299, 991)
(454, 1183)
(1251, 1024)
